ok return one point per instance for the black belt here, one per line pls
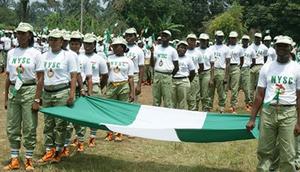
(206, 70)
(183, 77)
(25, 84)
(233, 64)
(282, 105)
(220, 68)
(56, 88)
(258, 64)
(166, 73)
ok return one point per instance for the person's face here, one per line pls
(89, 47)
(23, 38)
(165, 38)
(130, 38)
(55, 44)
(283, 50)
(267, 43)
(219, 40)
(118, 49)
(191, 42)
(181, 50)
(203, 43)
(100, 42)
(75, 46)
(257, 40)
(232, 40)
(245, 42)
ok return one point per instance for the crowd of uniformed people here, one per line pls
(53, 69)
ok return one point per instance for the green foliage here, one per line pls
(8, 18)
(231, 20)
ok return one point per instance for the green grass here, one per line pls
(143, 155)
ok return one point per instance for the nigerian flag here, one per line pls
(154, 122)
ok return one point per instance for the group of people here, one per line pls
(54, 69)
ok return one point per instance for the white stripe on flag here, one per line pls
(160, 123)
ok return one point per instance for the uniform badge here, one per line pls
(117, 69)
(20, 69)
(50, 73)
(161, 63)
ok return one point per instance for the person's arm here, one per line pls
(212, 73)
(89, 82)
(241, 61)
(38, 91)
(255, 108)
(103, 80)
(227, 64)
(201, 68)
(141, 76)
(297, 126)
(176, 67)
(192, 75)
(265, 59)
(131, 86)
(152, 60)
(253, 62)
(7, 84)
(72, 88)
(80, 84)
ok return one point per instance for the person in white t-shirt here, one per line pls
(6, 45)
(99, 73)
(181, 80)
(100, 45)
(260, 58)
(164, 60)
(59, 89)
(236, 62)
(222, 62)
(249, 54)
(137, 55)
(23, 88)
(278, 94)
(120, 78)
(194, 54)
(271, 51)
(206, 73)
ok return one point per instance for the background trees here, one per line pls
(180, 16)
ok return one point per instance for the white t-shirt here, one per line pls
(164, 57)
(196, 57)
(45, 47)
(85, 66)
(6, 43)
(29, 59)
(58, 67)
(272, 56)
(15, 42)
(207, 58)
(249, 54)
(99, 48)
(137, 55)
(236, 52)
(283, 78)
(220, 52)
(76, 60)
(261, 51)
(186, 64)
(99, 67)
(119, 68)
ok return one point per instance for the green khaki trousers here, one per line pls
(234, 81)
(20, 118)
(245, 84)
(120, 92)
(277, 125)
(192, 94)
(204, 95)
(162, 89)
(180, 90)
(219, 85)
(254, 74)
(55, 128)
(148, 73)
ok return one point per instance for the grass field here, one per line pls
(142, 155)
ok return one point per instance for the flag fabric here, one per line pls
(154, 122)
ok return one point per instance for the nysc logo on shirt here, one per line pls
(20, 60)
(116, 63)
(282, 80)
(162, 56)
(52, 65)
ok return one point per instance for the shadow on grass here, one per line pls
(89, 162)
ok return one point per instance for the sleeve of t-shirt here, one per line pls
(265, 51)
(141, 58)
(262, 79)
(200, 58)
(77, 63)
(174, 55)
(39, 62)
(88, 68)
(211, 56)
(8, 60)
(227, 53)
(103, 66)
(72, 66)
(241, 52)
(298, 77)
(130, 68)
